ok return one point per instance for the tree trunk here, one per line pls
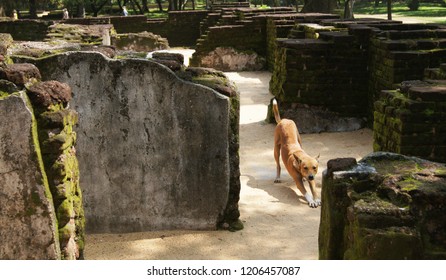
(160, 5)
(32, 9)
(348, 9)
(145, 6)
(138, 6)
(319, 6)
(389, 9)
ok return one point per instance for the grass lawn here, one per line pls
(435, 12)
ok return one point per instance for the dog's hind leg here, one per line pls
(277, 158)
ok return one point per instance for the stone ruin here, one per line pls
(386, 206)
(150, 148)
(42, 214)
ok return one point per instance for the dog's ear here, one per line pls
(297, 159)
(317, 158)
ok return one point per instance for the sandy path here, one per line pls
(278, 223)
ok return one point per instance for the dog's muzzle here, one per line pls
(311, 177)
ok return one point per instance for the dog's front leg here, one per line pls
(307, 195)
(317, 200)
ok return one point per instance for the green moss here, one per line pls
(236, 226)
(279, 75)
(428, 112)
(410, 184)
(440, 172)
(65, 212)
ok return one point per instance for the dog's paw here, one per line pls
(312, 203)
(318, 202)
(277, 181)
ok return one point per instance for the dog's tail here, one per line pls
(276, 111)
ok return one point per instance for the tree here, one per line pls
(6, 7)
(319, 6)
(32, 8)
(348, 9)
(96, 6)
(160, 5)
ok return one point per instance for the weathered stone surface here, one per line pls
(385, 207)
(57, 138)
(19, 73)
(108, 51)
(178, 57)
(5, 42)
(49, 93)
(152, 149)
(41, 49)
(411, 120)
(140, 42)
(212, 78)
(78, 33)
(174, 61)
(8, 87)
(27, 218)
(229, 59)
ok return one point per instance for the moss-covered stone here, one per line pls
(386, 210)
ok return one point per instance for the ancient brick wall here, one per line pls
(329, 72)
(243, 30)
(362, 57)
(401, 52)
(184, 27)
(386, 206)
(26, 30)
(412, 120)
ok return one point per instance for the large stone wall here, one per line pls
(153, 149)
(386, 206)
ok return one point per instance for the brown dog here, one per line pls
(287, 142)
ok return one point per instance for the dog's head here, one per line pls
(307, 166)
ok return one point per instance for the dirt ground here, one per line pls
(278, 222)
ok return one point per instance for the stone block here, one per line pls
(20, 73)
(378, 208)
(48, 93)
(27, 217)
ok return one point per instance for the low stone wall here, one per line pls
(42, 213)
(243, 30)
(26, 30)
(343, 65)
(386, 206)
(139, 42)
(402, 52)
(184, 27)
(76, 33)
(411, 120)
(155, 152)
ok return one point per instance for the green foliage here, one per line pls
(401, 8)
